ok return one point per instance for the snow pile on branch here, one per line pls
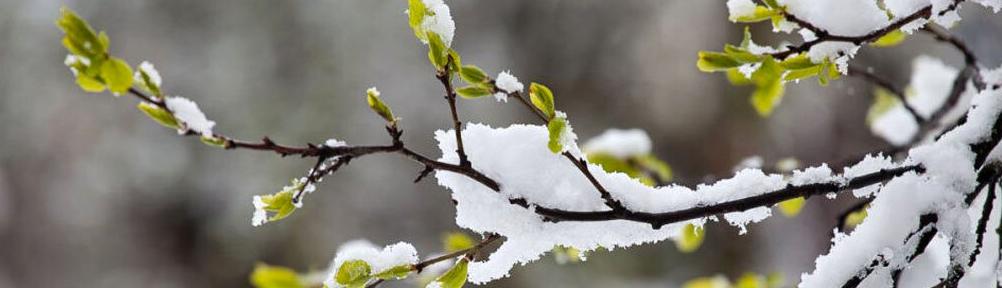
(896, 211)
(620, 143)
(506, 83)
(187, 113)
(390, 256)
(930, 86)
(518, 159)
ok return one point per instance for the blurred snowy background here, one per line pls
(93, 194)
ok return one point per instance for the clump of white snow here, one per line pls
(620, 143)
(740, 8)
(187, 112)
(506, 83)
(440, 21)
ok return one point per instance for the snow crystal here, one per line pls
(740, 8)
(150, 71)
(334, 143)
(567, 138)
(754, 162)
(187, 112)
(620, 143)
(390, 256)
(508, 83)
(440, 21)
(74, 59)
(812, 175)
(260, 215)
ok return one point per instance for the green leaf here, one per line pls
(266, 276)
(353, 273)
(89, 84)
(708, 282)
(653, 164)
(457, 241)
(396, 272)
(556, 127)
(456, 62)
(746, 38)
(158, 114)
(691, 238)
(542, 98)
(771, 4)
(456, 276)
(117, 75)
(883, 101)
(890, 39)
(736, 77)
(741, 55)
(797, 62)
(214, 141)
(768, 87)
(855, 218)
(473, 92)
(280, 203)
(566, 254)
(146, 82)
(416, 11)
(611, 164)
(761, 13)
(774, 280)
(472, 74)
(715, 61)
(377, 105)
(80, 38)
(794, 75)
(438, 54)
(792, 207)
(751, 280)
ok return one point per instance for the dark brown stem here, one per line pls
(445, 77)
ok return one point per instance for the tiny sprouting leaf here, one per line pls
(771, 4)
(751, 280)
(556, 127)
(774, 280)
(267, 276)
(473, 74)
(279, 204)
(736, 77)
(117, 75)
(797, 62)
(890, 39)
(542, 98)
(761, 13)
(353, 273)
(473, 92)
(691, 238)
(80, 38)
(159, 114)
(855, 218)
(377, 105)
(566, 254)
(395, 273)
(794, 75)
(792, 207)
(741, 54)
(457, 241)
(214, 141)
(416, 11)
(768, 87)
(456, 61)
(746, 40)
(715, 61)
(708, 282)
(438, 54)
(455, 277)
(659, 167)
(89, 84)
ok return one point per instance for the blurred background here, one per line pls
(93, 194)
